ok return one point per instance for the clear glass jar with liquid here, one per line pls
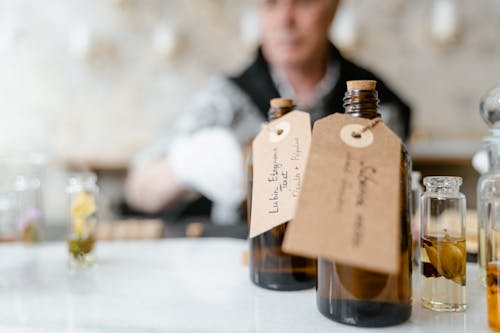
(442, 245)
(82, 218)
(488, 208)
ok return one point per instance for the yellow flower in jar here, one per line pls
(82, 207)
(79, 227)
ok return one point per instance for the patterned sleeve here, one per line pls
(222, 104)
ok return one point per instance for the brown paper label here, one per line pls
(280, 154)
(348, 210)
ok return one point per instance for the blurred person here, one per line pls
(295, 60)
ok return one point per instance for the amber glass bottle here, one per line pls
(361, 297)
(270, 267)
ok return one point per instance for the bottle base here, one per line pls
(443, 307)
(494, 326)
(364, 313)
(81, 261)
(283, 281)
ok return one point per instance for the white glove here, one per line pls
(210, 161)
(480, 161)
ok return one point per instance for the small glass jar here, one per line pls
(488, 185)
(30, 221)
(8, 213)
(82, 220)
(21, 199)
(488, 208)
(442, 250)
(491, 242)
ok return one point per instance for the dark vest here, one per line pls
(257, 83)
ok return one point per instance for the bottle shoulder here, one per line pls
(490, 175)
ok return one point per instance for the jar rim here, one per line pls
(82, 180)
(442, 181)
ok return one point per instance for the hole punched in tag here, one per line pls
(359, 136)
(364, 137)
(279, 131)
(372, 124)
(279, 108)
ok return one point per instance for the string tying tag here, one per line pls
(372, 124)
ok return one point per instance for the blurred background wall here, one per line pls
(92, 82)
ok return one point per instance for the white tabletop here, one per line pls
(175, 285)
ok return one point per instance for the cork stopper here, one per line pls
(282, 103)
(361, 85)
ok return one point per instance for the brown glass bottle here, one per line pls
(270, 267)
(359, 297)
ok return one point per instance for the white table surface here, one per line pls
(176, 285)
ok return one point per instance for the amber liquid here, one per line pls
(492, 282)
(489, 249)
(359, 297)
(443, 264)
(363, 298)
(270, 267)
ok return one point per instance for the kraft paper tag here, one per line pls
(280, 154)
(348, 210)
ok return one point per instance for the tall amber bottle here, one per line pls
(359, 297)
(270, 267)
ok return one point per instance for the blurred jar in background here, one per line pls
(30, 218)
(8, 214)
(82, 220)
(21, 198)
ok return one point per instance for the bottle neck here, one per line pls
(362, 103)
(275, 112)
(415, 180)
(493, 156)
